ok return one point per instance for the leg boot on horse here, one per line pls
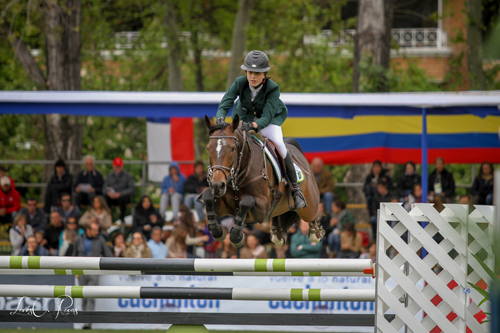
(298, 198)
(237, 236)
(216, 230)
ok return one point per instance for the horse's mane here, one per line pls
(220, 126)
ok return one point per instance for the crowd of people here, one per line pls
(77, 218)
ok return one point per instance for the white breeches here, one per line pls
(274, 133)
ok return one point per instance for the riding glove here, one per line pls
(220, 120)
(247, 127)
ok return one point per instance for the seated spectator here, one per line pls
(408, 180)
(371, 181)
(340, 216)
(3, 172)
(301, 246)
(441, 182)
(414, 197)
(464, 200)
(40, 238)
(157, 247)
(34, 216)
(194, 185)
(71, 224)
(371, 253)
(61, 181)
(139, 247)
(118, 246)
(252, 249)
(119, 187)
(146, 217)
(324, 179)
(53, 233)
(193, 235)
(67, 209)
(382, 195)
(225, 250)
(33, 249)
(19, 233)
(176, 243)
(98, 213)
(482, 188)
(172, 190)
(88, 183)
(69, 236)
(350, 242)
(10, 201)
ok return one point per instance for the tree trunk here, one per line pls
(175, 82)
(372, 42)
(198, 66)
(239, 40)
(477, 78)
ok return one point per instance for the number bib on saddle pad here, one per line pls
(275, 164)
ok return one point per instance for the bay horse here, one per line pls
(243, 184)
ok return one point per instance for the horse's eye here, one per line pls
(232, 149)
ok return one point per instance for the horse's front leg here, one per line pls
(217, 232)
(237, 236)
(316, 232)
(278, 236)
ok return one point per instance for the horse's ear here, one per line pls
(236, 122)
(209, 122)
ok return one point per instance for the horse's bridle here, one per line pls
(233, 174)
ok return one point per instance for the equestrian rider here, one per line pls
(260, 108)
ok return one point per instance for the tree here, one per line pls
(477, 79)
(175, 82)
(239, 40)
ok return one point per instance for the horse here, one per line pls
(241, 185)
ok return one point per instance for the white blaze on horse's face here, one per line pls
(220, 143)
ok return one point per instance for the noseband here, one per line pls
(233, 174)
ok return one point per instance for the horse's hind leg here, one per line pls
(278, 236)
(217, 232)
(237, 236)
(316, 232)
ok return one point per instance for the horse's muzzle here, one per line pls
(219, 189)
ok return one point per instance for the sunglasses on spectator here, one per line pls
(65, 199)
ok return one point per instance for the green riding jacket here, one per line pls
(266, 107)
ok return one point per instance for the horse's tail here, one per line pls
(287, 219)
(293, 142)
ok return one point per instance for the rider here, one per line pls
(260, 108)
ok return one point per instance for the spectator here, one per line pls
(33, 249)
(252, 249)
(34, 216)
(176, 243)
(193, 235)
(60, 182)
(69, 236)
(90, 244)
(301, 246)
(71, 224)
(194, 185)
(146, 217)
(371, 253)
(67, 209)
(371, 181)
(441, 182)
(10, 201)
(3, 172)
(383, 194)
(464, 200)
(53, 233)
(172, 190)
(139, 247)
(225, 250)
(340, 216)
(414, 197)
(118, 246)
(324, 179)
(157, 247)
(19, 233)
(119, 187)
(482, 188)
(88, 183)
(40, 238)
(408, 180)
(98, 213)
(350, 242)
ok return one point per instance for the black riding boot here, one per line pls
(298, 197)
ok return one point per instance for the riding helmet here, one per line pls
(256, 61)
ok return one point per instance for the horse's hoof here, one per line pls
(277, 241)
(317, 236)
(220, 239)
(235, 243)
